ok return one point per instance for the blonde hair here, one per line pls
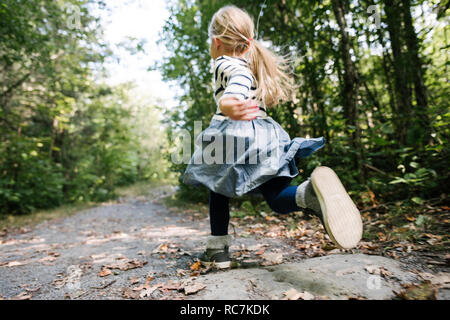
(236, 29)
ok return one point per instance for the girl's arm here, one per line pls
(237, 109)
(234, 80)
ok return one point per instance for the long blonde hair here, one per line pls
(236, 29)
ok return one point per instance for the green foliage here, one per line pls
(33, 182)
(64, 137)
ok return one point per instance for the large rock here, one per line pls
(336, 276)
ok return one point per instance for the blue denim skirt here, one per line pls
(233, 157)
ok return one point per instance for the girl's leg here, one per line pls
(219, 214)
(218, 243)
(336, 210)
(279, 195)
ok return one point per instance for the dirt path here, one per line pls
(138, 249)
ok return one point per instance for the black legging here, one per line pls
(277, 192)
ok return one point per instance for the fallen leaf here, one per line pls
(17, 263)
(147, 292)
(105, 272)
(292, 294)
(432, 236)
(127, 264)
(134, 280)
(194, 288)
(385, 273)
(22, 296)
(59, 283)
(196, 266)
(47, 259)
(163, 248)
(382, 237)
(377, 270)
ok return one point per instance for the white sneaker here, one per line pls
(340, 216)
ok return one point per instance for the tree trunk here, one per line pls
(401, 82)
(416, 72)
(350, 88)
(387, 74)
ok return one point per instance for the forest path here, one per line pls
(136, 248)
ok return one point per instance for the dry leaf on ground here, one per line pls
(194, 288)
(163, 248)
(134, 280)
(105, 272)
(377, 270)
(293, 294)
(33, 289)
(47, 259)
(22, 296)
(188, 286)
(126, 264)
(148, 292)
(17, 263)
(196, 266)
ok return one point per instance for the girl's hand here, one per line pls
(239, 110)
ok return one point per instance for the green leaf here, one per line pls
(414, 164)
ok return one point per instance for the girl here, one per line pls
(245, 150)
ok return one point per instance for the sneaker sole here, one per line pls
(341, 217)
(218, 265)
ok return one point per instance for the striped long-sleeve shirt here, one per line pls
(232, 78)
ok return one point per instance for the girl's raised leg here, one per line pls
(325, 196)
